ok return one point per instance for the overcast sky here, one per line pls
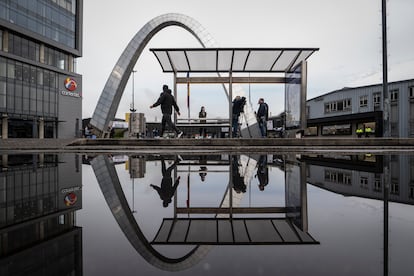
(348, 33)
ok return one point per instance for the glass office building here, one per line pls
(40, 91)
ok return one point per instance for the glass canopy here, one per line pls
(203, 60)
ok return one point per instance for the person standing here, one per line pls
(238, 105)
(202, 115)
(262, 116)
(167, 102)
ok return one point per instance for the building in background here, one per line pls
(40, 91)
(360, 112)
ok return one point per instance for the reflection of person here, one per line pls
(238, 180)
(203, 173)
(202, 115)
(262, 116)
(203, 169)
(238, 105)
(167, 190)
(167, 102)
(262, 172)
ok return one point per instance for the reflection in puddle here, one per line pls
(174, 209)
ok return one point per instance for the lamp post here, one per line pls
(132, 109)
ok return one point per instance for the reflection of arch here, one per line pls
(111, 95)
(111, 188)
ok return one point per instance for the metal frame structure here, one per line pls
(238, 60)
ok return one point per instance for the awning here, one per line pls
(249, 60)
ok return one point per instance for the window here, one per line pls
(411, 91)
(363, 101)
(376, 98)
(395, 188)
(377, 185)
(338, 177)
(341, 105)
(394, 95)
(344, 129)
(363, 182)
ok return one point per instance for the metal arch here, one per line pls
(110, 98)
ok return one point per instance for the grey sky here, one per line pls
(348, 34)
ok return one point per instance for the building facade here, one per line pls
(39, 197)
(40, 91)
(360, 111)
(363, 176)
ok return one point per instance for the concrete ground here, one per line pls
(270, 145)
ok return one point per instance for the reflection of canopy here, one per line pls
(231, 231)
(111, 188)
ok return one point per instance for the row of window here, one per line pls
(341, 105)
(25, 48)
(22, 99)
(48, 18)
(338, 177)
(346, 104)
(343, 178)
(28, 74)
(26, 89)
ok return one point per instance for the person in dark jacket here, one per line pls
(167, 189)
(238, 106)
(167, 102)
(262, 116)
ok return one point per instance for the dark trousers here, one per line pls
(263, 126)
(166, 120)
(235, 125)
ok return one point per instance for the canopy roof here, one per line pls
(203, 60)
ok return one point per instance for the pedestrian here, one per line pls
(262, 172)
(167, 190)
(262, 116)
(202, 115)
(238, 106)
(167, 102)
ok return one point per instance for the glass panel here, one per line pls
(285, 60)
(179, 60)
(303, 56)
(261, 60)
(3, 67)
(202, 60)
(224, 60)
(239, 59)
(163, 59)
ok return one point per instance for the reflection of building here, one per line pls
(137, 166)
(364, 176)
(343, 112)
(40, 93)
(39, 196)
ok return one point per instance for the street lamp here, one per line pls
(132, 109)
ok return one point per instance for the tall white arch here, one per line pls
(110, 98)
(108, 102)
